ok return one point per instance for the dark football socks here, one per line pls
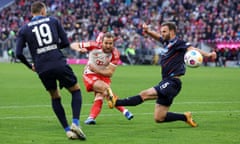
(130, 101)
(76, 103)
(174, 117)
(59, 111)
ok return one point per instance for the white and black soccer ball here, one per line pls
(193, 58)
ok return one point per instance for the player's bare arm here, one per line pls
(107, 71)
(213, 54)
(77, 47)
(151, 33)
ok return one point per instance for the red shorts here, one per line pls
(89, 80)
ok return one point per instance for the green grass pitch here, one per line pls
(211, 94)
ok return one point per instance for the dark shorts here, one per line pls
(64, 75)
(167, 89)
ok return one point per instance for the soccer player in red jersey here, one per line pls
(102, 62)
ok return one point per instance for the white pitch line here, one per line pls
(30, 106)
(209, 102)
(111, 115)
(89, 104)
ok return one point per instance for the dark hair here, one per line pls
(37, 6)
(170, 25)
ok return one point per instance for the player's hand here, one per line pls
(213, 55)
(92, 68)
(145, 27)
(82, 50)
(75, 46)
(33, 68)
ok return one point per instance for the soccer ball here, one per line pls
(193, 58)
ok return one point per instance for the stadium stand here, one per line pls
(201, 22)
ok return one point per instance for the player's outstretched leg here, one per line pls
(95, 111)
(190, 120)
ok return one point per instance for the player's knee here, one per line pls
(98, 97)
(54, 94)
(74, 88)
(100, 87)
(143, 95)
(159, 119)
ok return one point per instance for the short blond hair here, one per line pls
(37, 6)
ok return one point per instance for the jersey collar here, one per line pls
(37, 17)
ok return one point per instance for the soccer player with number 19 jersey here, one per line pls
(45, 37)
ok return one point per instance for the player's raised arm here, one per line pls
(107, 71)
(213, 54)
(149, 32)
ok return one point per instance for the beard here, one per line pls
(167, 37)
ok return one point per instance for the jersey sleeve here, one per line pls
(64, 42)
(184, 45)
(20, 45)
(20, 42)
(115, 56)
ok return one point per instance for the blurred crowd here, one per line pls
(197, 21)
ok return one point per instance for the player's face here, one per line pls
(165, 33)
(107, 45)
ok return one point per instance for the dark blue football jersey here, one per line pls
(172, 59)
(44, 36)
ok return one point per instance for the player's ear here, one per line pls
(172, 32)
(44, 11)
